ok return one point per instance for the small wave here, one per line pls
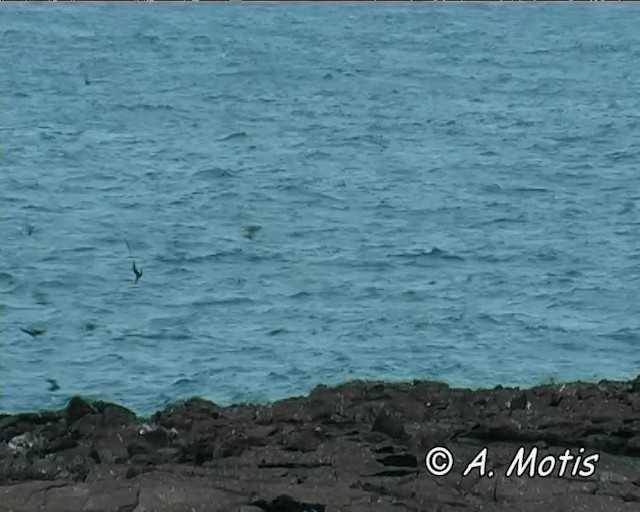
(369, 265)
(167, 334)
(6, 278)
(278, 377)
(523, 123)
(416, 295)
(200, 39)
(492, 188)
(229, 301)
(299, 295)
(503, 220)
(234, 136)
(497, 258)
(374, 140)
(435, 253)
(145, 106)
(374, 291)
(337, 201)
(54, 282)
(630, 336)
(83, 248)
(486, 317)
(181, 257)
(148, 38)
(112, 357)
(618, 156)
(545, 254)
(213, 172)
(184, 382)
(317, 154)
(536, 326)
(538, 51)
(527, 190)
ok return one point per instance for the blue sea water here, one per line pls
(444, 192)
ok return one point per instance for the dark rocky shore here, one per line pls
(360, 447)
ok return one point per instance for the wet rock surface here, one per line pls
(361, 446)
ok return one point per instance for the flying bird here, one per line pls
(53, 385)
(251, 231)
(137, 272)
(37, 331)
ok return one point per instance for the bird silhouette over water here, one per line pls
(53, 385)
(86, 79)
(36, 331)
(137, 272)
(251, 231)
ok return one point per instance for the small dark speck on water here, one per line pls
(37, 331)
(251, 231)
(53, 385)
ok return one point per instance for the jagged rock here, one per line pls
(359, 446)
(77, 408)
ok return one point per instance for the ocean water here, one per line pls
(444, 192)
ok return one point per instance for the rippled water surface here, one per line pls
(444, 192)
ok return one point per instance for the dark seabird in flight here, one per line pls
(37, 331)
(251, 231)
(137, 272)
(53, 385)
